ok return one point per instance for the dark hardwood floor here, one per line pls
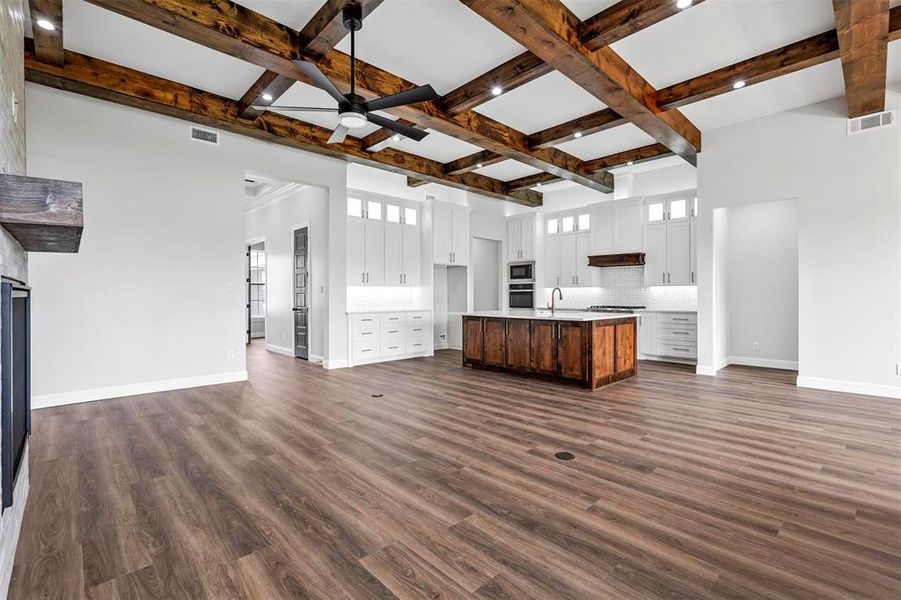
(302, 483)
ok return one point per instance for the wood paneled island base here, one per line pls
(591, 350)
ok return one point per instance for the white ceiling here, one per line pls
(507, 170)
(444, 43)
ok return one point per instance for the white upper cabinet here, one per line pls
(450, 234)
(521, 233)
(383, 241)
(669, 240)
(655, 254)
(616, 227)
(602, 228)
(678, 253)
(552, 261)
(566, 260)
(694, 249)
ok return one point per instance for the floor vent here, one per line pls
(870, 122)
(207, 136)
(564, 456)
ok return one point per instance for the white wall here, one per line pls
(146, 304)
(762, 284)
(276, 223)
(849, 198)
(487, 274)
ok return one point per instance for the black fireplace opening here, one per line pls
(15, 380)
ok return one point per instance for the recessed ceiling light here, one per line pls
(45, 24)
(577, 134)
(478, 165)
(738, 84)
(630, 163)
(395, 138)
(497, 90)
(683, 3)
(267, 97)
(538, 184)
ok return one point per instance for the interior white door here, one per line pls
(441, 234)
(374, 251)
(655, 254)
(602, 228)
(394, 254)
(355, 270)
(627, 227)
(514, 239)
(552, 261)
(411, 255)
(584, 273)
(527, 235)
(568, 260)
(678, 252)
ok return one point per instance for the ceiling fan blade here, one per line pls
(303, 108)
(404, 130)
(422, 93)
(320, 80)
(339, 135)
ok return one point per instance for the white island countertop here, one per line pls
(546, 315)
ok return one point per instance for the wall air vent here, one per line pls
(207, 136)
(870, 122)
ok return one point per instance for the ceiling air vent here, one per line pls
(869, 122)
(207, 136)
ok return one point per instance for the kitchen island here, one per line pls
(591, 349)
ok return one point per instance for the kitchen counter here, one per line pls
(378, 311)
(546, 315)
(591, 349)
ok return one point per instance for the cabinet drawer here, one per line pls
(392, 320)
(416, 345)
(360, 323)
(677, 349)
(418, 317)
(393, 346)
(678, 318)
(367, 337)
(365, 351)
(677, 333)
(418, 329)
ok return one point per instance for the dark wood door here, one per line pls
(472, 340)
(494, 340)
(625, 346)
(301, 297)
(543, 345)
(518, 345)
(572, 350)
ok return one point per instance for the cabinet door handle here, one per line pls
(692, 276)
(362, 277)
(664, 277)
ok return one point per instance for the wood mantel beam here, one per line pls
(625, 18)
(863, 30)
(235, 30)
(552, 32)
(121, 85)
(322, 33)
(48, 44)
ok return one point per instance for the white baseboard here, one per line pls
(769, 363)
(134, 389)
(335, 364)
(708, 370)
(280, 350)
(315, 358)
(850, 387)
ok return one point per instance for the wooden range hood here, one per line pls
(44, 215)
(630, 259)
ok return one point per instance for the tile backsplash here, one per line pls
(625, 286)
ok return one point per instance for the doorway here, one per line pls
(486, 274)
(256, 291)
(301, 293)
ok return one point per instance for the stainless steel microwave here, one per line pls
(521, 272)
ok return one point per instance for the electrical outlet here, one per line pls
(757, 346)
(230, 355)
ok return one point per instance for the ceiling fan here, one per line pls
(353, 110)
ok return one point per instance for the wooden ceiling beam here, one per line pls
(235, 30)
(551, 31)
(121, 85)
(894, 24)
(625, 18)
(48, 44)
(414, 182)
(472, 162)
(530, 181)
(620, 159)
(322, 33)
(595, 122)
(863, 29)
(517, 71)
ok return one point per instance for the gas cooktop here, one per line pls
(614, 308)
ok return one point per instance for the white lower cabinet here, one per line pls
(376, 337)
(668, 335)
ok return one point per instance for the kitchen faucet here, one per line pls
(553, 291)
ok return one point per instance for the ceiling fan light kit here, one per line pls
(353, 110)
